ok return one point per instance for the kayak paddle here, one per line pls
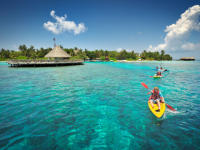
(143, 84)
(170, 107)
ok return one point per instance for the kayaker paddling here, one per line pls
(156, 97)
(158, 111)
(158, 73)
(162, 69)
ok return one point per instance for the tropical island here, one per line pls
(26, 53)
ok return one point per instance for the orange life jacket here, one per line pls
(155, 95)
(159, 73)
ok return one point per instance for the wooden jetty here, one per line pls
(43, 63)
(56, 57)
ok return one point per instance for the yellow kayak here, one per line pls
(160, 113)
(155, 76)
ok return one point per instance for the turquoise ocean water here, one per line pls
(98, 106)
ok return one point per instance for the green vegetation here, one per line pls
(25, 52)
(155, 55)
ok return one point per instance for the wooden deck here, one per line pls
(42, 63)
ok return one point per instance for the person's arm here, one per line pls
(150, 92)
(161, 97)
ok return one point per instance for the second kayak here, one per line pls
(155, 76)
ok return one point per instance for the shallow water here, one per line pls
(98, 106)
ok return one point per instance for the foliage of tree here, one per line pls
(25, 52)
(155, 55)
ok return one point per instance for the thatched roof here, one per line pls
(57, 52)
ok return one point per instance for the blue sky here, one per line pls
(112, 25)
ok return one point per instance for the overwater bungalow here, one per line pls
(188, 58)
(56, 57)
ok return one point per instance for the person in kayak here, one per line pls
(161, 68)
(158, 73)
(156, 97)
(165, 70)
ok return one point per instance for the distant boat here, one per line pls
(188, 58)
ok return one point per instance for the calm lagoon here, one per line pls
(98, 106)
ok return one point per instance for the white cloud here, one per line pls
(62, 25)
(190, 46)
(119, 49)
(178, 34)
(150, 48)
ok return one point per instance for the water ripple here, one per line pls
(98, 106)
